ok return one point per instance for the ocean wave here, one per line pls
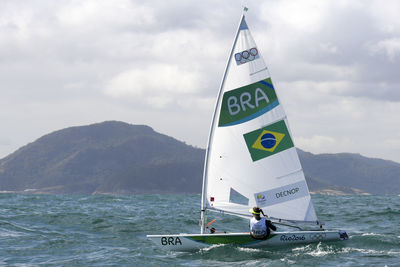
(370, 251)
(212, 247)
(301, 248)
(372, 234)
(321, 251)
(8, 233)
(249, 249)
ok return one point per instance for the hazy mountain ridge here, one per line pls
(116, 157)
(375, 176)
(97, 158)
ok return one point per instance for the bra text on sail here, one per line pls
(247, 102)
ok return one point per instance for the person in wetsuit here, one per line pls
(260, 226)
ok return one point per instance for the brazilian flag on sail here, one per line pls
(268, 140)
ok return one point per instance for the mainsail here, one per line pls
(251, 159)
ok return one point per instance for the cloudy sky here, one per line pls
(335, 64)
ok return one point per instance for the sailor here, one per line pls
(260, 226)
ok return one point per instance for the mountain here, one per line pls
(120, 158)
(374, 176)
(108, 157)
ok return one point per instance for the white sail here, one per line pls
(250, 158)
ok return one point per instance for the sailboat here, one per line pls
(251, 161)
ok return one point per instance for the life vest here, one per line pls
(258, 229)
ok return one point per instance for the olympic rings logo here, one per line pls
(246, 56)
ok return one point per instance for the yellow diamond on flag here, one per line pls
(268, 141)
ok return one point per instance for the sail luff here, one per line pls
(206, 162)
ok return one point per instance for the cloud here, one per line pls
(158, 85)
(390, 47)
(72, 62)
(337, 41)
(392, 143)
(121, 14)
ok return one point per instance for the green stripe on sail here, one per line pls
(246, 102)
(269, 140)
(227, 239)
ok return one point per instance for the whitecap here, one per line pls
(212, 247)
(251, 263)
(371, 234)
(288, 261)
(372, 251)
(7, 233)
(30, 190)
(319, 252)
(248, 249)
(300, 249)
(391, 252)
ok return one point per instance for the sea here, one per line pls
(110, 230)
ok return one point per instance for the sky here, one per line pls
(335, 65)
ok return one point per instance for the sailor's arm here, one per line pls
(270, 225)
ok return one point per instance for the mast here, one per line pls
(210, 137)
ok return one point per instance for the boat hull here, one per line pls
(190, 242)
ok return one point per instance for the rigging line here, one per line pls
(213, 209)
(290, 173)
(289, 225)
(288, 205)
(253, 73)
(295, 221)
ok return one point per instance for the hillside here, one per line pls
(120, 158)
(375, 176)
(109, 157)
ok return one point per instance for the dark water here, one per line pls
(63, 230)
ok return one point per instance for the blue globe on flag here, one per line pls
(268, 140)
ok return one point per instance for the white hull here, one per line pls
(190, 242)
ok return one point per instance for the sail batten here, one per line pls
(251, 159)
